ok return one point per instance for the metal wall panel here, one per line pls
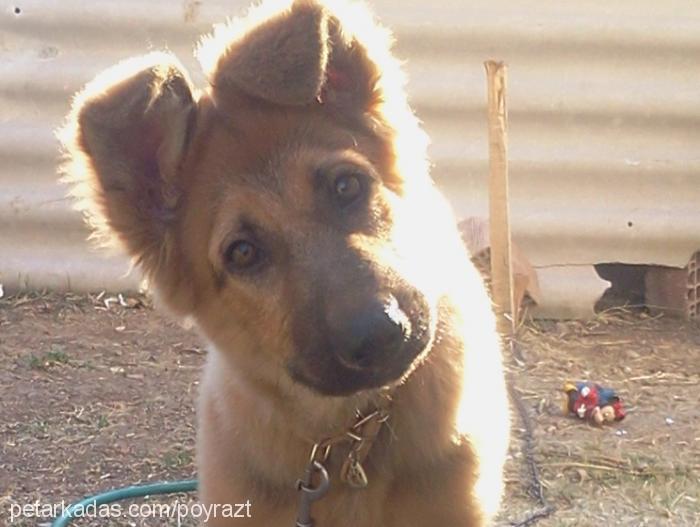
(604, 103)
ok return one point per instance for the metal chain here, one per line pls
(361, 436)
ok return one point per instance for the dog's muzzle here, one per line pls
(373, 336)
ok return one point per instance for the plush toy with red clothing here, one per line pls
(593, 402)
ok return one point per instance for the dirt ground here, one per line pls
(97, 392)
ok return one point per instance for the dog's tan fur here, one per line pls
(175, 176)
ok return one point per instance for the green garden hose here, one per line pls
(136, 491)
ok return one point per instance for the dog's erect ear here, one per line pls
(298, 55)
(279, 57)
(124, 140)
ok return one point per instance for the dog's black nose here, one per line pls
(372, 335)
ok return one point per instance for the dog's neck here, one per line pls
(297, 417)
(306, 415)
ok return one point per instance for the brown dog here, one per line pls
(288, 210)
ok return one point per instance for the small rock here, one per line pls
(669, 421)
(631, 354)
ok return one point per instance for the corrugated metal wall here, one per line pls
(604, 103)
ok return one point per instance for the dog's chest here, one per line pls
(348, 507)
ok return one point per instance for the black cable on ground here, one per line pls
(535, 487)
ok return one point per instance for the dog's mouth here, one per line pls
(334, 368)
(341, 379)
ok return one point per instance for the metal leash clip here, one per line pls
(309, 493)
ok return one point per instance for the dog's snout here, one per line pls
(373, 334)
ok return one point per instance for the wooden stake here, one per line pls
(501, 267)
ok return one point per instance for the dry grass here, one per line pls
(641, 471)
(99, 393)
(95, 395)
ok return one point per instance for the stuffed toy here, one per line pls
(593, 402)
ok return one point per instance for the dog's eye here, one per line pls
(347, 188)
(242, 255)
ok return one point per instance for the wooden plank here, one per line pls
(501, 266)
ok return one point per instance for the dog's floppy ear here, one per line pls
(300, 54)
(124, 140)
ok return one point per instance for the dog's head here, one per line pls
(282, 207)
